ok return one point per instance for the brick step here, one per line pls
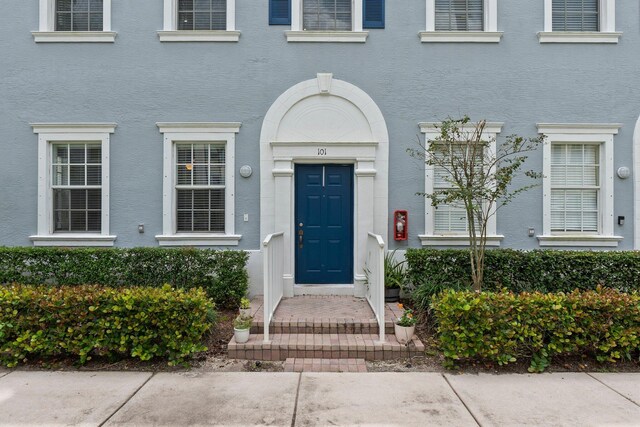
(324, 365)
(323, 346)
(322, 326)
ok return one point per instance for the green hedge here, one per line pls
(432, 270)
(40, 321)
(222, 274)
(504, 327)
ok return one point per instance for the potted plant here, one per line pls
(394, 277)
(242, 328)
(245, 307)
(405, 326)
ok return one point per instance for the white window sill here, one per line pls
(455, 240)
(198, 240)
(74, 36)
(327, 36)
(460, 36)
(578, 37)
(199, 36)
(73, 240)
(579, 240)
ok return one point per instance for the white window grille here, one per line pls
(327, 15)
(459, 15)
(576, 15)
(575, 188)
(79, 15)
(76, 184)
(202, 15)
(200, 188)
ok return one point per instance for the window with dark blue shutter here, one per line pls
(279, 12)
(373, 14)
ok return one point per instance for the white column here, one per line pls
(364, 215)
(283, 174)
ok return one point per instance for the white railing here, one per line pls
(273, 268)
(375, 278)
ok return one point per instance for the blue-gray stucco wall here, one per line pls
(138, 81)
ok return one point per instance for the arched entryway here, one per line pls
(324, 121)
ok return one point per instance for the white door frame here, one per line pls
(355, 132)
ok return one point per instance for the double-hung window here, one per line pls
(462, 21)
(200, 187)
(198, 184)
(579, 21)
(575, 188)
(75, 21)
(446, 224)
(199, 21)
(578, 185)
(73, 184)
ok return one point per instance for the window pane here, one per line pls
(60, 175)
(94, 199)
(63, 5)
(185, 21)
(95, 21)
(94, 154)
(78, 221)
(184, 153)
(77, 153)
(63, 22)
(61, 220)
(94, 175)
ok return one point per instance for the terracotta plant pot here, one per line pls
(391, 294)
(241, 335)
(245, 312)
(404, 333)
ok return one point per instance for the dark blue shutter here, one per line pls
(373, 14)
(279, 12)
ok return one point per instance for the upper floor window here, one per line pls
(327, 15)
(459, 15)
(327, 20)
(202, 14)
(575, 15)
(579, 21)
(74, 21)
(73, 184)
(79, 15)
(462, 21)
(199, 21)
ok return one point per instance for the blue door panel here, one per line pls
(324, 216)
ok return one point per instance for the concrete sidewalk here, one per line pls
(286, 399)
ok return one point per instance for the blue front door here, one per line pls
(324, 224)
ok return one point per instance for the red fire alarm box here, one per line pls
(400, 225)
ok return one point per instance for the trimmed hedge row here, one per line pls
(432, 270)
(222, 274)
(504, 327)
(83, 321)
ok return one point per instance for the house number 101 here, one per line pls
(322, 151)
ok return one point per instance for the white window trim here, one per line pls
(607, 33)
(170, 32)
(298, 34)
(430, 238)
(489, 35)
(195, 132)
(49, 133)
(47, 34)
(581, 133)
